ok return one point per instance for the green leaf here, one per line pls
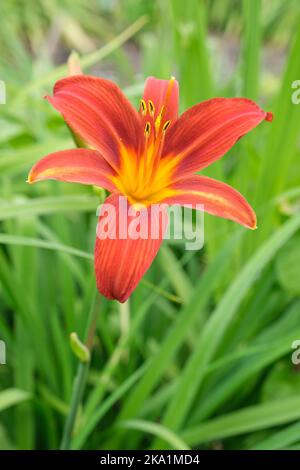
(11, 397)
(175, 273)
(283, 381)
(251, 56)
(5, 443)
(10, 239)
(244, 421)
(157, 430)
(87, 61)
(193, 374)
(280, 439)
(91, 423)
(178, 332)
(288, 267)
(47, 205)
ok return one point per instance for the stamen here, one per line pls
(143, 107)
(151, 108)
(166, 125)
(147, 132)
(160, 127)
(158, 119)
(147, 129)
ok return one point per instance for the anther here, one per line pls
(166, 125)
(147, 129)
(143, 107)
(151, 108)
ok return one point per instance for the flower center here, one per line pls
(140, 181)
(145, 177)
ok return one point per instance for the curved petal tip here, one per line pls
(269, 117)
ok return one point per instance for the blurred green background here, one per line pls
(200, 357)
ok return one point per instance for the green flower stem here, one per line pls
(81, 375)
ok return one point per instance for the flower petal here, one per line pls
(99, 113)
(162, 93)
(121, 257)
(84, 166)
(205, 132)
(218, 199)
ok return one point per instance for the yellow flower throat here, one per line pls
(145, 177)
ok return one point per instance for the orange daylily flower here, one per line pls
(149, 156)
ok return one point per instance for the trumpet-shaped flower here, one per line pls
(150, 157)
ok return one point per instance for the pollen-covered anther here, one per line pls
(166, 125)
(143, 107)
(147, 129)
(151, 108)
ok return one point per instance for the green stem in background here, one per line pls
(81, 375)
(251, 47)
